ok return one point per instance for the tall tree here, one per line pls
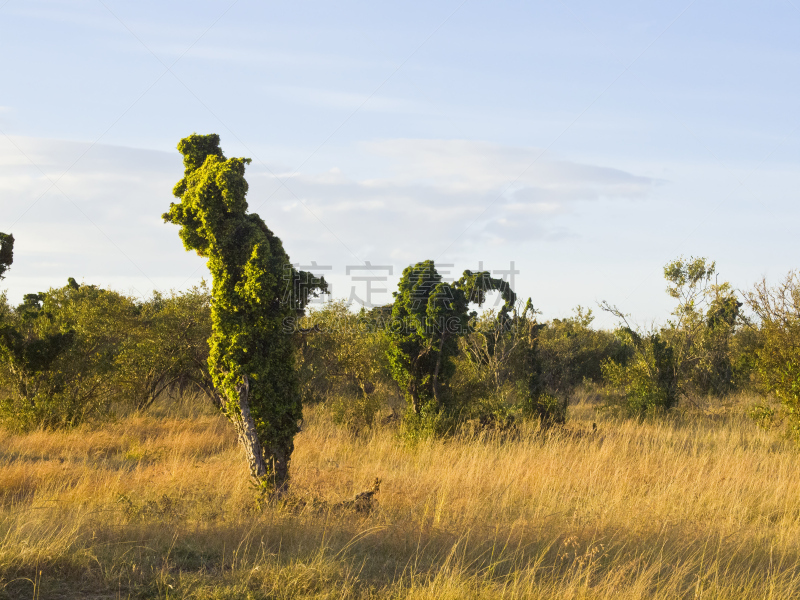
(255, 293)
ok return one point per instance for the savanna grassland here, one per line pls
(157, 504)
(520, 458)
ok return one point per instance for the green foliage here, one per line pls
(539, 400)
(778, 357)
(548, 409)
(429, 422)
(763, 415)
(78, 352)
(572, 352)
(491, 349)
(341, 353)
(355, 412)
(489, 416)
(342, 363)
(6, 252)
(428, 317)
(510, 365)
(702, 328)
(527, 366)
(692, 355)
(255, 291)
(745, 344)
(57, 355)
(166, 348)
(646, 383)
(69, 354)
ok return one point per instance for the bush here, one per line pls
(528, 367)
(340, 352)
(691, 355)
(777, 360)
(429, 422)
(548, 409)
(490, 416)
(571, 352)
(74, 353)
(356, 413)
(57, 355)
(166, 347)
(646, 382)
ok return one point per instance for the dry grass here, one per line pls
(159, 506)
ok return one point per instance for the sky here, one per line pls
(574, 147)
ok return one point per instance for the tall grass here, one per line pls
(158, 505)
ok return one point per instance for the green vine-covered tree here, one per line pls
(255, 292)
(428, 316)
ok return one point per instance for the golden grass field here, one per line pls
(159, 505)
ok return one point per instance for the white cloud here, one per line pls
(468, 165)
(449, 200)
(99, 221)
(440, 194)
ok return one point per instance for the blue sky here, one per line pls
(589, 143)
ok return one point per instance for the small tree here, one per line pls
(342, 358)
(6, 252)
(646, 382)
(166, 347)
(428, 316)
(57, 355)
(702, 326)
(255, 291)
(341, 351)
(691, 354)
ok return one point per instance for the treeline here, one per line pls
(506, 364)
(79, 352)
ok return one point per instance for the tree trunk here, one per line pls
(246, 432)
(435, 381)
(412, 389)
(207, 387)
(279, 457)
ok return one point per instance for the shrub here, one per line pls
(571, 352)
(57, 355)
(702, 327)
(690, 355)
(166, 347)
(341, 353)
(355, 412)
(527, 366)
(646, 383)
(778, 356)
(548, 409)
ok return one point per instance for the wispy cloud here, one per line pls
(101, 223)
(106, 224)
(436, 188)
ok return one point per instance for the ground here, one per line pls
(703, 505)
